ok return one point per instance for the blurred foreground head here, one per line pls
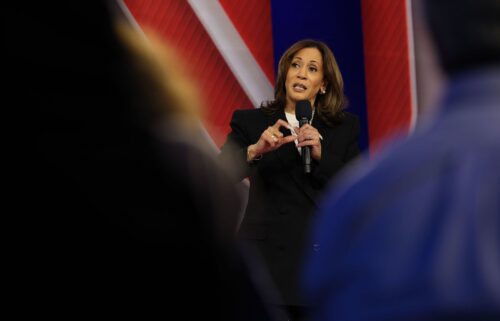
(90, 57)
(466, 32)
(120, 208)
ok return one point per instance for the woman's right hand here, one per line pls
(272, 138)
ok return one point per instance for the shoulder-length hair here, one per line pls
(329, 106)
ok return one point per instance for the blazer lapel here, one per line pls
(322, 128)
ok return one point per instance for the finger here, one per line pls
(309, 131)
(308, 136)
(287, 139)
(281, 123)
(271, 133)
(303, 130)
(278, 134)
(274, 132)
(303, 135)
(272, 138)
(311, 140)
(266, 139)
(307, 126)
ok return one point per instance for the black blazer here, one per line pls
(281, 196)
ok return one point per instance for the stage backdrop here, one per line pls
(233, 48)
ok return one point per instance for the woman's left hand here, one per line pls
(307, 135)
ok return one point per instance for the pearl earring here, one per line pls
(323, 91)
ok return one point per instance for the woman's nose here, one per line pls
(302, 73)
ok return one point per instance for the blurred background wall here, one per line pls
(232, 48)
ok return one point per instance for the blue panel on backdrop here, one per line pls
(337, 23)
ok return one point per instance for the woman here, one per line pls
(265, 145)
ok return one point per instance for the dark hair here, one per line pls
(329, 106)
(466, 32)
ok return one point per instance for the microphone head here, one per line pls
(303, 110)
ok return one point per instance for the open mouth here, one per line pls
(299, 87)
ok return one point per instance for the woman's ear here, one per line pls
(322, 89)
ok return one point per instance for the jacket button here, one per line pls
(316, 247)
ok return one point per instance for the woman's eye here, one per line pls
(295, 65)
(313, 69)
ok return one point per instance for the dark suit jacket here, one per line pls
(281, 196)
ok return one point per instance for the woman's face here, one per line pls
(304, 78)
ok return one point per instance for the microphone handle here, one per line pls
(306, 158)
(306, 150)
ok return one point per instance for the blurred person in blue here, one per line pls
(121, 212)
(266, 145)
(414, 234)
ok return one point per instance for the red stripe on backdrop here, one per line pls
(252, 19)
(387, 68)
(177, 24)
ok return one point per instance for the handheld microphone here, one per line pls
(303, 113)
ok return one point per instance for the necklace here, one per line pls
(312, 116)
